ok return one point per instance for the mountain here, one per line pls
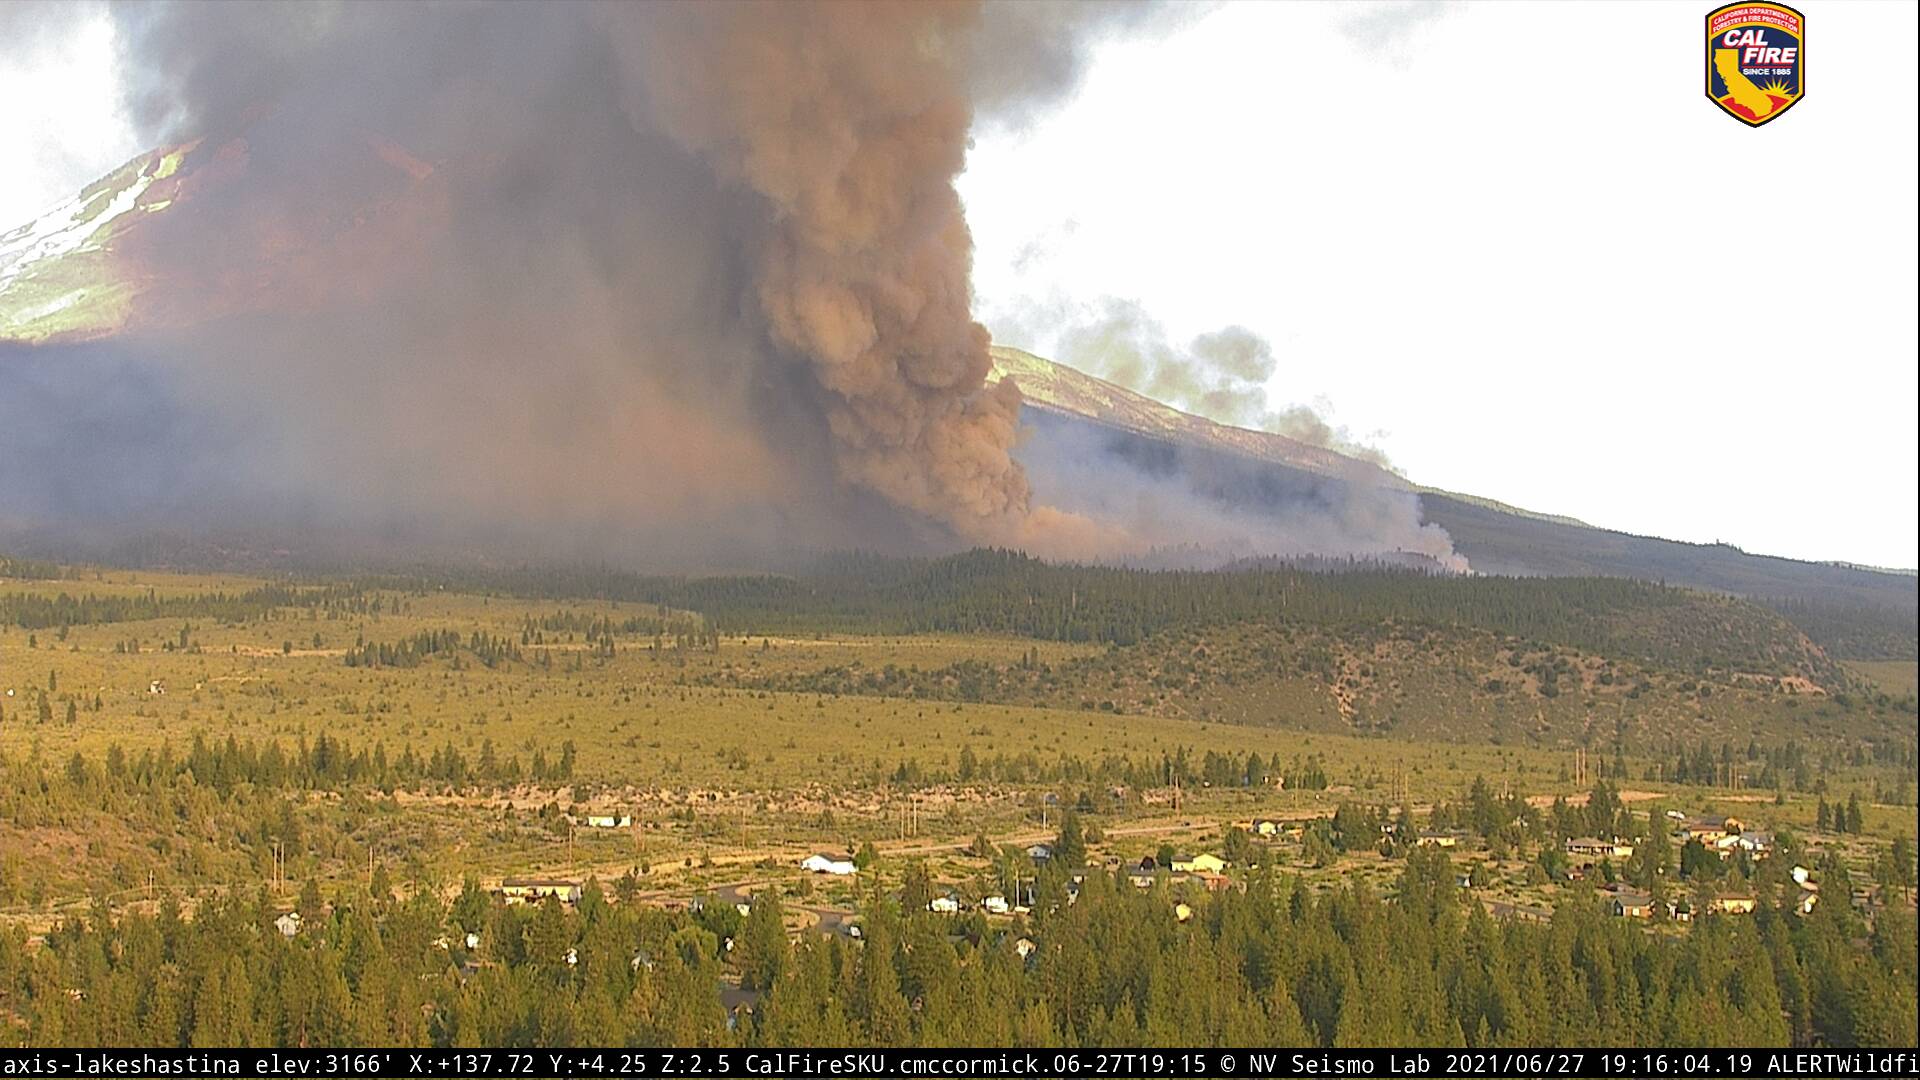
(1856, 611)
(79, 273)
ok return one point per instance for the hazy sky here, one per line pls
(1510, 243)
(1515, 244)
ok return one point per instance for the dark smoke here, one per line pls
(664, 277)
(671, 283)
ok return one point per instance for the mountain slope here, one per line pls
(1858, 612)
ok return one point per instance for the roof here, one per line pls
(537, 883)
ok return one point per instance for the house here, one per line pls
(1040, 852)
(1024, 947)
(1732, 903)
(995, 905)
(1213, 882)
(1805, 901)
(1588, 847)
(154, 687)
(1141, 881)
(1802, 876)
(1628, 904)
(1181, 913)
(828, 864)
(1197, 864)
(1266, 827)
(609, 821)
(1710, 830)
(944, 904)
(521, 890)
(288, 924)
(1148, 864)
(1757, 844)
(1444, 838)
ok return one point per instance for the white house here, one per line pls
(521, 890)
(827, 864)
(288, 924)
(995, 905)
(609, 821)
(1593, 848)
(944, 905)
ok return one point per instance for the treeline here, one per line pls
(1275, 965)
(37, 611)
(489, 649)
(996, 591)
(323, 763)
(1181, 767)
(662, 623)
(14, 566)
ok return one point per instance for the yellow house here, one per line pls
(1198, 864)
(1732, 904)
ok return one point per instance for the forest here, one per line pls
(1114, 965)
(284, 812)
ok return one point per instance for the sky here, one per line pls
(1514, 246)
(1510, 244)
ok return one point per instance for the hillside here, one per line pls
(1855, 611)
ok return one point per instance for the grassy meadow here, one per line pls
(727, 780)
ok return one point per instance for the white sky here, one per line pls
(60, 116)
(1516, 245)
(1510, 242)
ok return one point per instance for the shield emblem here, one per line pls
(1756, 60)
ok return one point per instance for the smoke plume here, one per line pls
(672, 283)
(662, 276)
(1221, 375)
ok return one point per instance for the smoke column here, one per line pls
(669, 283)
(667, 277)
(850, 121)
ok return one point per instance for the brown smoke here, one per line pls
(726, 231)
(851, 121)
(639, 278)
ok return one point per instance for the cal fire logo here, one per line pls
(1756, 60)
